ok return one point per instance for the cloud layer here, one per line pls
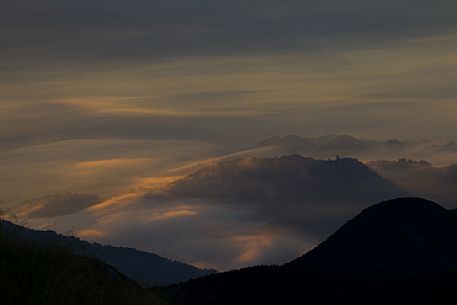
(111, 97)
(239, 212)
(183, 27)
(227, 215)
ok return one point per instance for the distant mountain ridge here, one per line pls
(439, 152)
(421, 178)
(313, 196)
(292, 177)
(145, 268)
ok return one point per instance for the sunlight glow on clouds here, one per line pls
(204, 233)
(180, 211)
(111, 163)
(90, 234)
(104, 167)
(125, 97)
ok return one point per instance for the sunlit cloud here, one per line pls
(109, 164)
(178, 212)
(117, 202)
(205, 233)
(90, 234)
(103, 167)
(25, 211)
(254, 246)
(120, 110)
(155, 183)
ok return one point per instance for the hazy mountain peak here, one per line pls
(437, 152)
(401, 163)
(291, 177)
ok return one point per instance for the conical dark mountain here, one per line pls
(398, 238)
(145, 268)
(402, 251)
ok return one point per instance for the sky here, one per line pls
(105, 96)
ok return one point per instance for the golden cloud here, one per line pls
(179, 212)
(110, 163)
(89, 234)
(253, 247)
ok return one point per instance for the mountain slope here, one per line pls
(402, 251)
(398, 238)
(30, 274)
(312, 196)
(145, 268)
(293, 178)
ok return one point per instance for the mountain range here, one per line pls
(311, 195)
(287, 178)
(328, 146)
(39, 275)
(145, 268)
(401, 251)
(421, 178)
(292, 201)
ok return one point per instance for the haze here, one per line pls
(115, 98)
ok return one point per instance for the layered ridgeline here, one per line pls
(289, 178)
(312, 196)
(438, 152)
(402, 251)
(34, 275)
(145, 268)
(421, 178)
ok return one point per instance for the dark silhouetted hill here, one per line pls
(35, 275)
(145, 268)
(402, 251)
(393, 239)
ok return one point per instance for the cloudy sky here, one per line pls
(105, 96)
